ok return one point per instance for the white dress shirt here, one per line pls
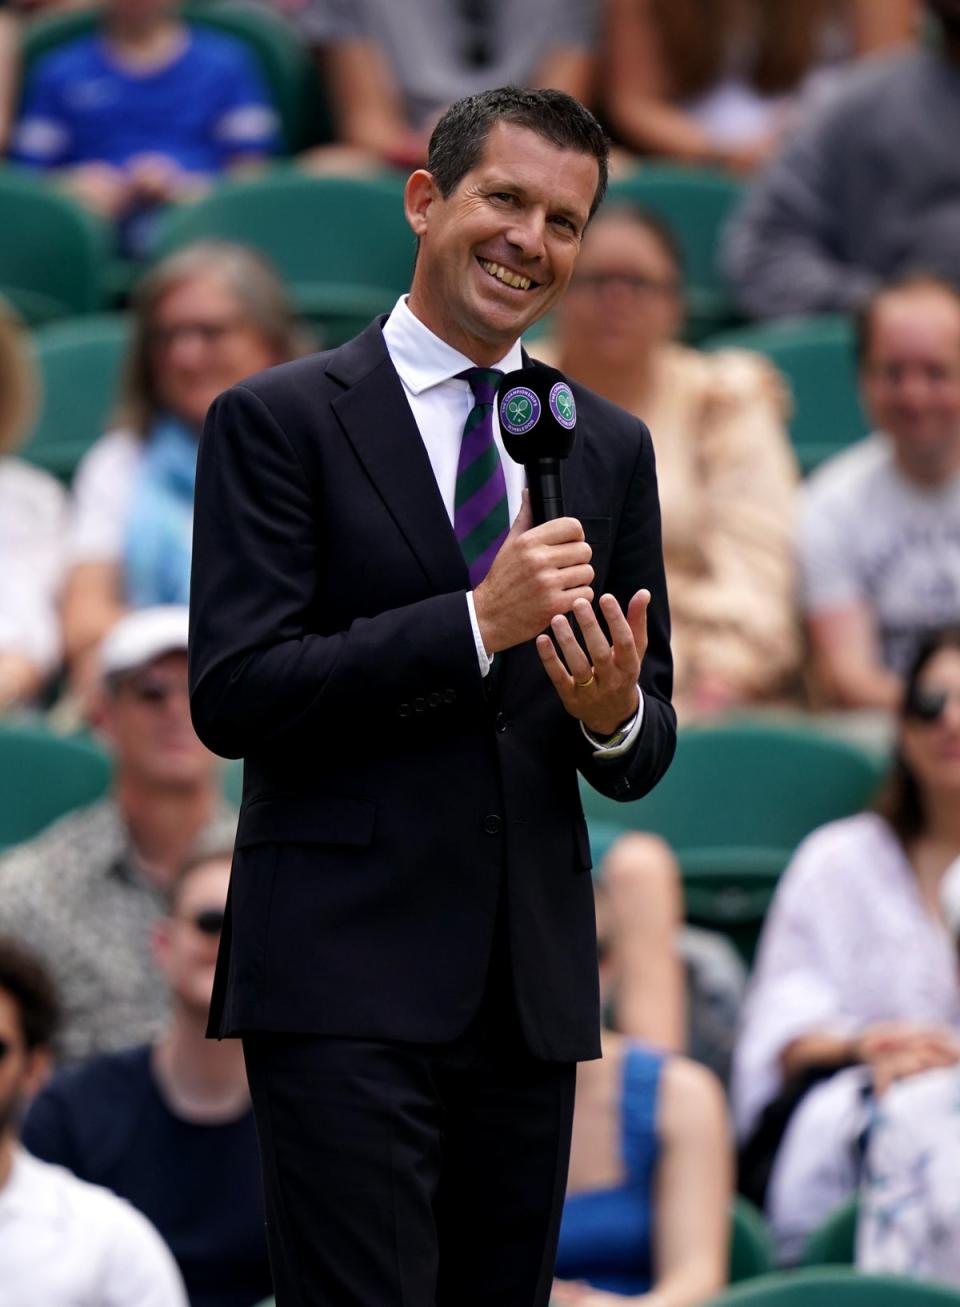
(64, 1242)
(440, 402)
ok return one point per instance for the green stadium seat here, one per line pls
(341, 244)
(734, 805)
(43, 776)
(835, 1287)
(696, 204)
(834, 1242)
(287, 68)
(53, 254)
(751, 1247)
(816, 356)
(79, 360)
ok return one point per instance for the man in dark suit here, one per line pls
(410, 953)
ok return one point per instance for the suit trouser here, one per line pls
(412, 1175)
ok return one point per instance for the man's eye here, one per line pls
(504, 196)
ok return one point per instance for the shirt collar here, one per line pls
(30, 1188)
(422, 359)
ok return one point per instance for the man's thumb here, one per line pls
(524, 519)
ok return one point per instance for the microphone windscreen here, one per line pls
(538, 416)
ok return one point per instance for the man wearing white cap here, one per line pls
(86, 893)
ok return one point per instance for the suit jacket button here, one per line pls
(419, 705)
(500, 722)
(433, 700)
(403, 710)
(492, 824)
(449, 696)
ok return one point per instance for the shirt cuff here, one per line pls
(619, 743)
(483, 658)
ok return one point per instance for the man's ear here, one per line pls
(419, 194)
(38, 1071)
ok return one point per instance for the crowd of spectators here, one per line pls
(840, 1066)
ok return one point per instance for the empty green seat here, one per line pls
(834, 1242)
(835, 1287)
(80, 362)
(816, 356)
(733, 806)
(341, 244)
(43, 776)
(53, 254)
(696, 204)
(751, 1247)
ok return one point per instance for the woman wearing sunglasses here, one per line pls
(855, 984)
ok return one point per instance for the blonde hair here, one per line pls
(19, 386)
(248, 276)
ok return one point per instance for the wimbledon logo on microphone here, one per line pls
(562, 405)
(519, 411)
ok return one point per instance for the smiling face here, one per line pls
(499, 250)
(911, 378)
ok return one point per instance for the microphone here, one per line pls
(538, 419)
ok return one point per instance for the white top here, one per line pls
(66, 1243)
(31, 538)
(101, 496)
(910, 1200)
(869, 535)
(440, 402)
(847, 942)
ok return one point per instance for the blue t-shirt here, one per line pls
(204, 108)
(199, 1184)
(606, 1234)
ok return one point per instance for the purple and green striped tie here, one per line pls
(480, 518)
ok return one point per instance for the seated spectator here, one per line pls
(726, 473)
(855, 982)
(31, 532)
(86, 893)
(62, 1241)
(169, 1126)
(648, 1195)
(910, 1200)
(670, 985)
(143, 112)
(205, 318)
(879, 543)
(718, 81)
(880, 145)
(393, 68)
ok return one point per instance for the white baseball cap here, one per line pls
(141, 636)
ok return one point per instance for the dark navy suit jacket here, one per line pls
(389, 789)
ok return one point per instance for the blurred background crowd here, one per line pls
(192, 193)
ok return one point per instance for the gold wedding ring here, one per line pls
(582, 685)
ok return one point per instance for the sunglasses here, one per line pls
(926, 705)
(209, 921)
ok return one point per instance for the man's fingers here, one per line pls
(577, 662)
(637, 619)
(552, 665)
(597, 645)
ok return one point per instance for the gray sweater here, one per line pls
(867, 188)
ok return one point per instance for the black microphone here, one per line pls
(538, 419)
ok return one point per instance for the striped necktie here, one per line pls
(480, 518)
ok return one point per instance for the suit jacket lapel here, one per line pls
(376, 417)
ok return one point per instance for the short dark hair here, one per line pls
(28, 982)
(901, 799)
(459, 137)
(916, 279)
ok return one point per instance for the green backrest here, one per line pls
(341, 244)
(286, 66)
(816, 356)
(53, 255)
(835, 1287)
(695, 203)
(834, 1242)
(751, 1247)
(80, 361)
(43, 776)
(734, 804)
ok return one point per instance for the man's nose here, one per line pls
(527, 233)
